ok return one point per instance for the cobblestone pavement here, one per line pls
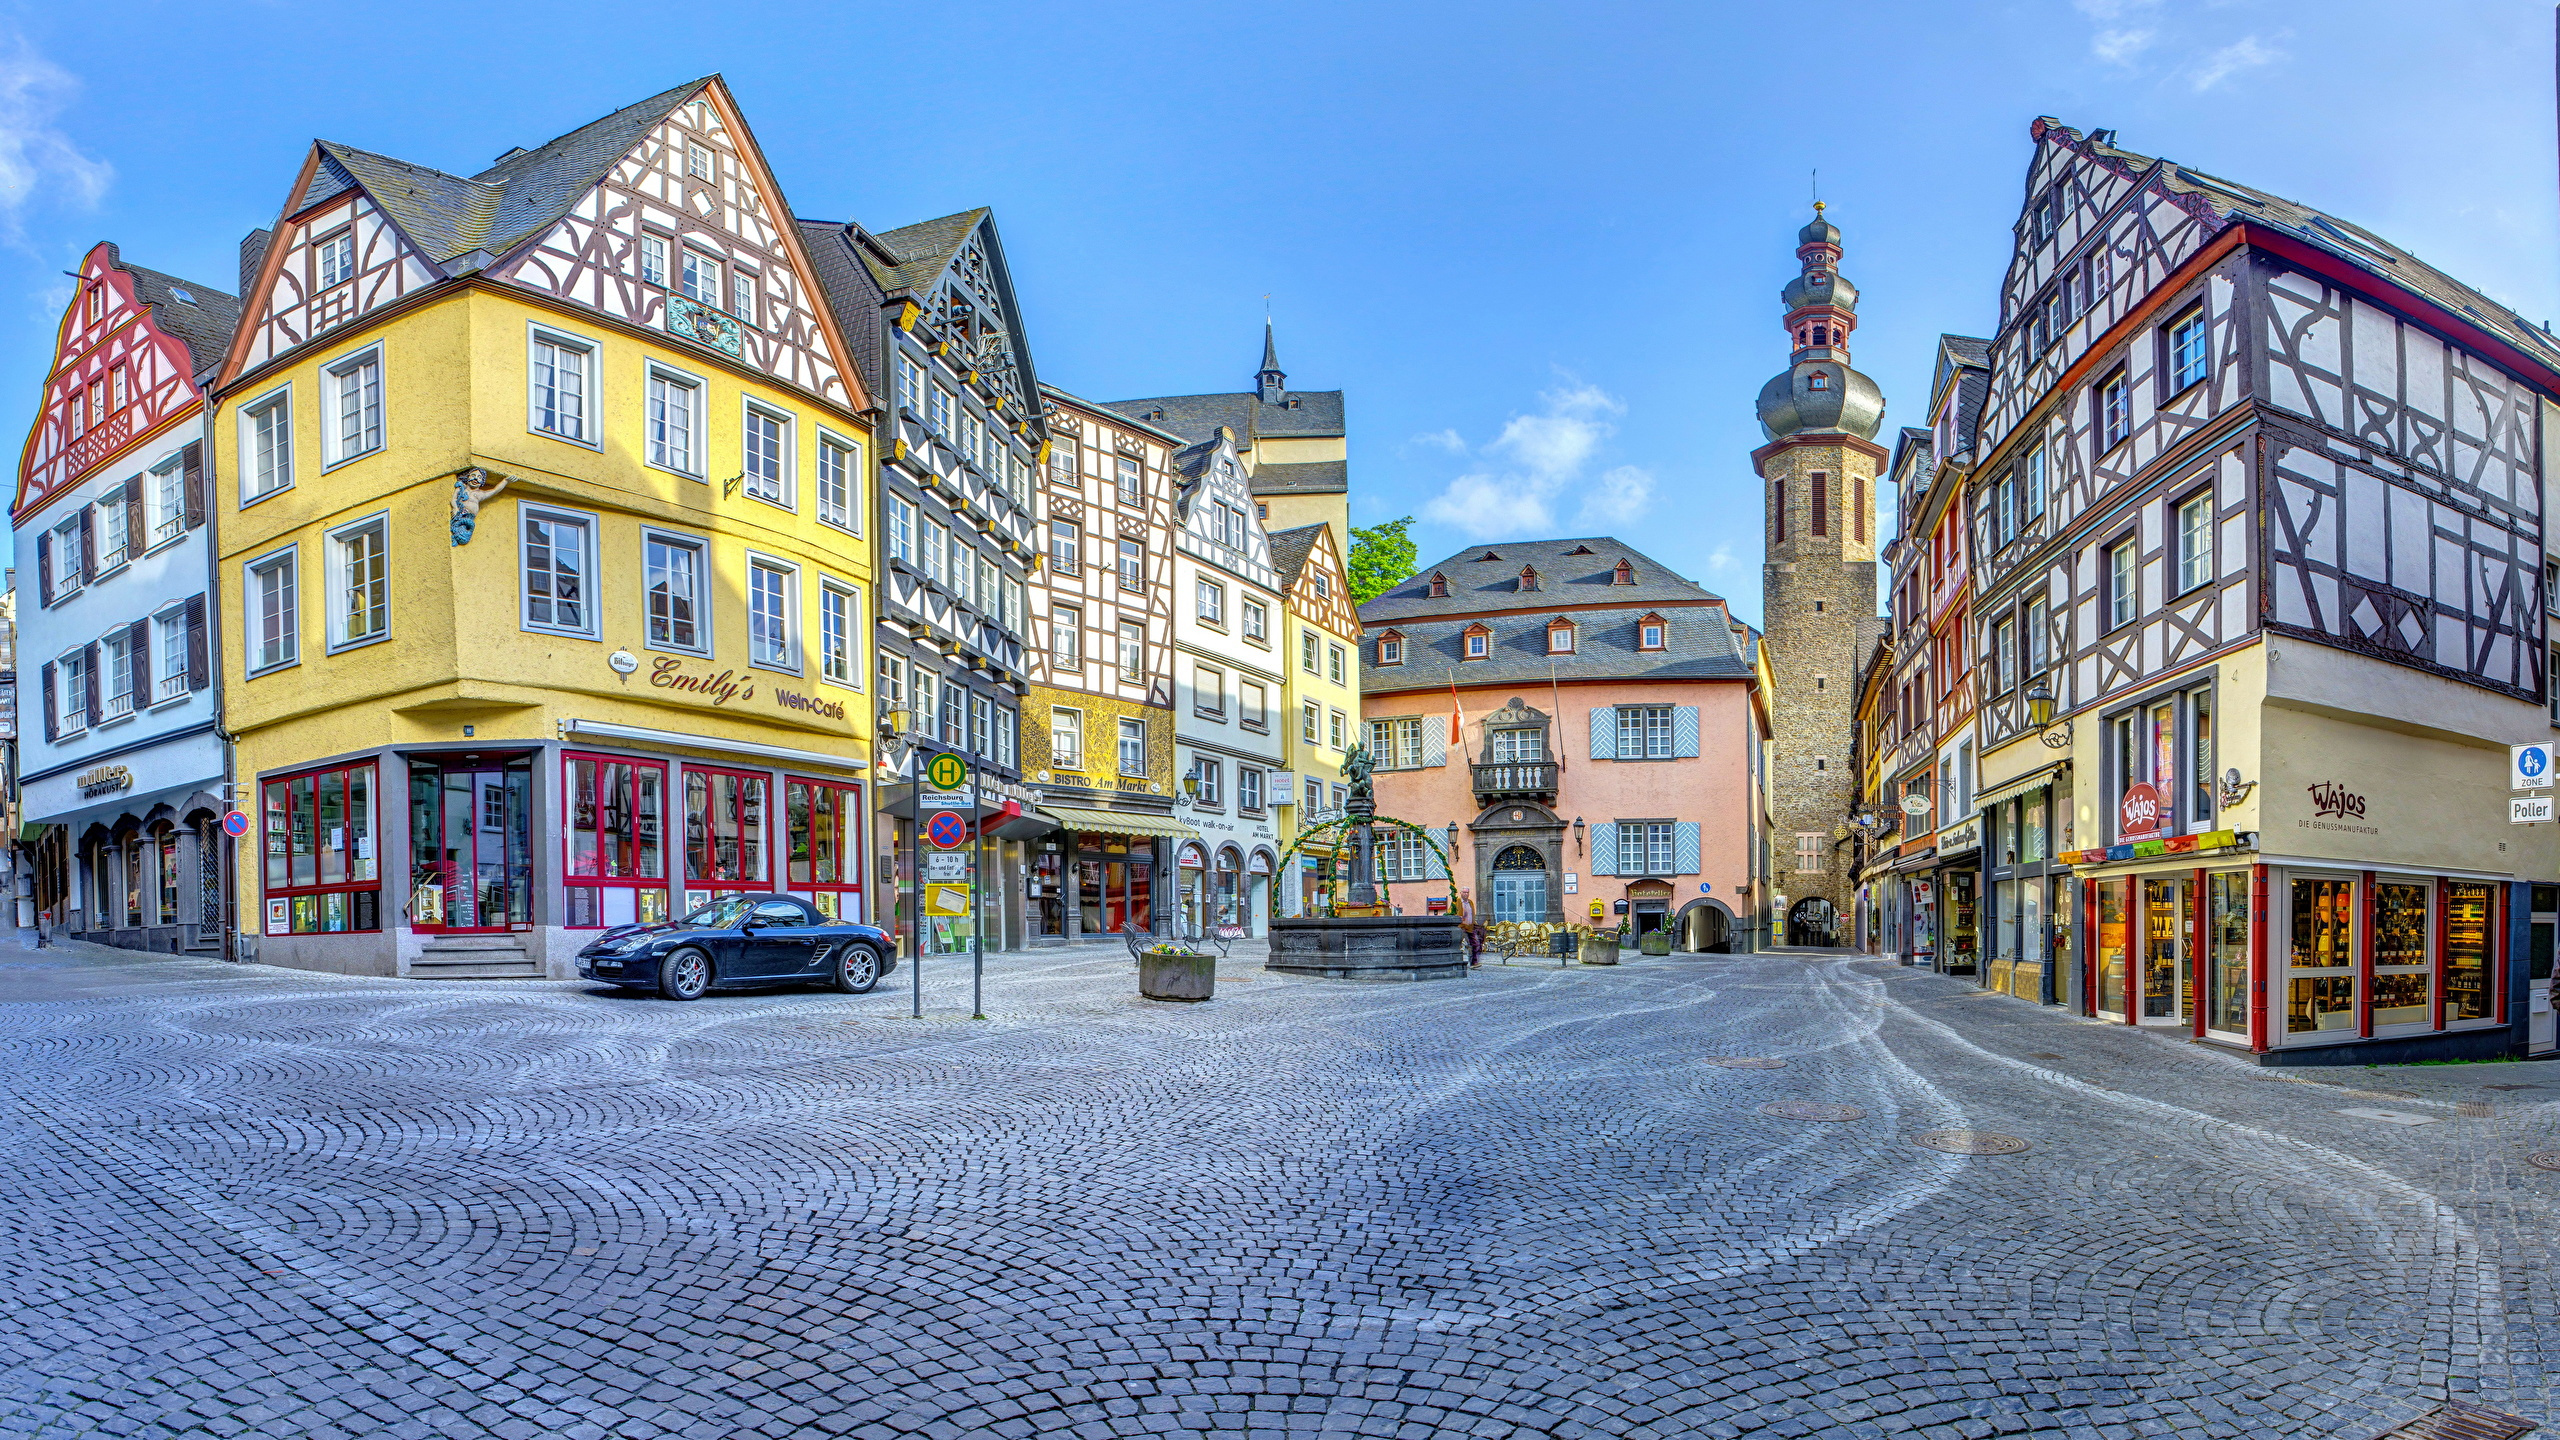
(247, 1201)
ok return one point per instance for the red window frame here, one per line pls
(296, 906)
(699, 843)
(801, 871)
(584, 814)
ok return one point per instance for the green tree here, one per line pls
(1382, 557)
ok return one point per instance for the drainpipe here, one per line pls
(227, 857)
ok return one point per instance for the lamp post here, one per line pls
(902, 750)
(2040, 715)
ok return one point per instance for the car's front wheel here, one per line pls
(684, 975)
(857, 970)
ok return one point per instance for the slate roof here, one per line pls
(1290, 549)
(1314, 477)
(1300, 413)
(851, 292)
(924, 250)
(526, 191)
(1054, 393)
(1477, 586)
(2343, 238)
(203, 321)
(1701, 644)
(1972, 349)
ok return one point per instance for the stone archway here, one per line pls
(1813, 921)
(1703, 927)
(1502, 828)
(1520, 886)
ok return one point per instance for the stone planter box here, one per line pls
(1657, 943)
(1601, 951)
(1177, 976)
(1386, 947)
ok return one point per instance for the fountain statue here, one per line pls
(1362, 939)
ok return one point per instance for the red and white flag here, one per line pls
(1457, 716)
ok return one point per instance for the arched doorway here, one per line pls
(1705, 928)
(1813, 921)
(1520, 886)
(1228, 897)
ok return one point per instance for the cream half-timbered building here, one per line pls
(1099, 740)
(119, 747)
(1228, 689)
(1321, 707)
(2259, 511)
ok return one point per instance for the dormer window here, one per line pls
(1560, 638)
(1649, 632)
(1478, 643)
(1391, 648)
(1488, 555)
(1625, 574)
(1528, 577)
(1819, 381)
(1439, 586)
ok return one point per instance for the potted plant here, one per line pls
(1600, 947)
(1654, 942)
(1167, 970)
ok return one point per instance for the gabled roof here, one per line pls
(923, 251)
(196, 316)
(1290, 549)
(1300, 414)
(1698, 644)
(850, 290)
(1314, 477)
(1116, 418)
(1564, 576)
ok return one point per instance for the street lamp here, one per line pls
(1191, 783)
(1577, 834)
(2040, 715)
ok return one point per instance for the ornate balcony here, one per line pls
(1515, 780)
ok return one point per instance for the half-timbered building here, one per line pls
(545, 496)
(1320, 706)
(1100, 742)
(2260, 519)
(944, 338)
(1292, 443)
(121, 770)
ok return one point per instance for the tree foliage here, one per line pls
(1382, 557)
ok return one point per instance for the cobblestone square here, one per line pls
(249, 1201)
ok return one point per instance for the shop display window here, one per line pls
(2323, 944)
(166, 843)
(2401, 972)
(2469, 910)
(1044, 893)
(724, 833)
(822, 826)
(1961, 957)
(2227, 952)
(616, 867)
(320, 872)
(471, 842)
(2164, 921)
(2114, 934)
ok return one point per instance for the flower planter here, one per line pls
(1657, 942)
(1176, 975)
(1602, 950)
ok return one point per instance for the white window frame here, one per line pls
(1130, 671)
(378, 525)
(333, 445)
(2124, 589)
(1133, 733)
(589, 529)
(845, 512)
(169, 653)
(1209, 602)
(164, 502)
(832, 594)
(1074, 727)
(1391, 652)
(2195, 541)
(660, 378)
(115, 654)
(1066, 560)
(749, 411)
(1257, 621)
(746, 295)
(288, 559)
(1334, 663)
(700, 548)
(892, 670)
(338, 244)
(653, 259)
(902, 529)
(687, 257)
(1307, 658)
(537, 337)
(2201, 355)
(277, 460)
(67, 579)
(71, 692)
(1249, 797)
(113, 520)
(790, 572)
(701, 162)
(910, 386)
(1066, 636)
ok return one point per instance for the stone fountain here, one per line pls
(1361, 940)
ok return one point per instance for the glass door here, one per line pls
(2227, 953)
(2112, 942)
(2403, 970)
(2166, 998)
(2320, 993)
(471, 846)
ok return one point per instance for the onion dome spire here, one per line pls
(1818, 391)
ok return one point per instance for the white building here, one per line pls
(1227, 694)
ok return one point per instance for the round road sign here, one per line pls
(236, 824)
(947, 772)
(947, 830)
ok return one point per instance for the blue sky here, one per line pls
(1538, 245)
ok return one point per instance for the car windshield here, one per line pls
(722, 914)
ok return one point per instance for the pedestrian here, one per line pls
(1472, 927)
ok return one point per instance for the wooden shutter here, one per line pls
(138, 651)
(89, 685)
(44, 566)
(1858, 507)
(1821, 505)
(52, 727)
(1604, 733)
(136, 538)
(1435, 742)
(1684, 732)
(1685, 847)
(88, 543)
(1433, 867)
(199, 666)
(1604, 848)
(193, 467)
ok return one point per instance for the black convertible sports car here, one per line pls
(738, 941)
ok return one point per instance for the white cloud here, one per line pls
(2246, 53)
(1618, 497)
(1483, 506)
(2119, 47)
(2105, 10)
(1537, 457)
(1720, 559)
(36, 158)
(1448, 440)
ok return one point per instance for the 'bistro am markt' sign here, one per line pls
(669, 674)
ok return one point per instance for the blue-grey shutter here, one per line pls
(1435, 742)
(1432, 866)
(1684, 732)
(1604, 848)
(1685, 843)
(1604, 734)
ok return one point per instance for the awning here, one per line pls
(1118, 822)
(1924, 860)
(2012, 789)
(641, 735)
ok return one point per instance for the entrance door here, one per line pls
(471, 846)
(2227, 950)
(2168, 977)
(1520, 886)
(2540, 1034)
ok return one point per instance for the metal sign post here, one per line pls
(915, 888)
(977, 905)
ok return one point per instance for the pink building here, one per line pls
(1587, 731)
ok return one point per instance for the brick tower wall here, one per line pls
(1816, 586)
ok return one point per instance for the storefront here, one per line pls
(389, 861)
(1098, 872)
(1956, 898)
(2021, 902)
(139, 844)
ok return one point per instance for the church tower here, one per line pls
(1818, 490)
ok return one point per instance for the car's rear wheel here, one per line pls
(684, 975)
(857, 970)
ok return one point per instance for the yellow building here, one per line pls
(1322, 697)
(543, 551)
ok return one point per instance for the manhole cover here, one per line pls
(1744, 1062)
(2544, 1160)
(1812, 1110)
(1970, 1142)
(2454, 1420)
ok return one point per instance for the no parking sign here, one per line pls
(235, 824)
(947, 831)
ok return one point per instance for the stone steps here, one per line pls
(493, 957)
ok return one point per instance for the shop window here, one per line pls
(2227, 952)
(616, 842)
(2468, 911)
(2401, 972)
(2321, 993)
(1115, 887)
(165, 846)
(320, 872)
(822, 823)
(2114, 935)
(724, 820)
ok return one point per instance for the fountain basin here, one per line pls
(1377, 947)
